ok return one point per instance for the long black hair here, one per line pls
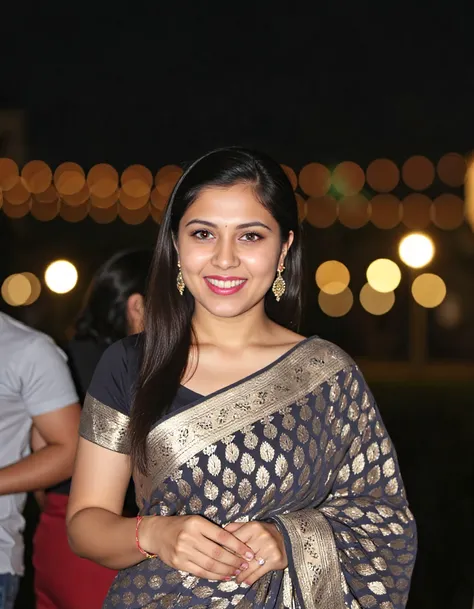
(103, 318)
(168, 316)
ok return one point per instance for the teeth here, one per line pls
(226, 284)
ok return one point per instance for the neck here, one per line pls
(231, 332)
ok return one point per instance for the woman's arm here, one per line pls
(96, 529)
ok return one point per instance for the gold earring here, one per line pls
(180, 281)
(279, 285)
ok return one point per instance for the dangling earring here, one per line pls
(180, 281)
(279, 285)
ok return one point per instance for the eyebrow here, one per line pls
(239, 227)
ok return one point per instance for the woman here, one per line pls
(264, 474)
(113, 309)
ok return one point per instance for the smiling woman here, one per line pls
(265, 477)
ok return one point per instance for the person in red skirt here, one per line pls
(113, 310)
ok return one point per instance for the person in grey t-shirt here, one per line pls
(35, 389)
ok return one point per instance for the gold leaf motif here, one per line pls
(262, 477)
(211, 491)
(250, 440)
(245, 489)
(270, 431)
(281, 466)
(247, 463)
(227, 500)
(267, 452)
(214, 465)
(232, 452)
(229, 478)
(286, 442)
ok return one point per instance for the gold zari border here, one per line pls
(315, 558)
(176, 439)
(104, 426)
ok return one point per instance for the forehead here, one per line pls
(235, 204)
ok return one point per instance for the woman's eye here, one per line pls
(251, 237)
(202, 235)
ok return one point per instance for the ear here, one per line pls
(285, 247)
(135, 313)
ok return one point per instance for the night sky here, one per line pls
(154, 84)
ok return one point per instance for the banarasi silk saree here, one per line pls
(299, 443)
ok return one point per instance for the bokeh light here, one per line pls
(166, 179)
(69, 178)
(451, 169)
(429, 290)
(383, 175)
(137, 181)
(386, 211)
(348, 178)
(102, 180)
(354, 211)
(321, 212)
(35, 288)
(37, 176)
(9, 174)
(384, 275)
(418, 172)
(469, 192)
(61, 276)
(332, 277)
(315, 179)
(374, 302)
(416, 250)
(447, 211)
(416, 211)
(336, 305)
(16, 290)
(291, 175)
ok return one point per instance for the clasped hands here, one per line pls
(243, 551)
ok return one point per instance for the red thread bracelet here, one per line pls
(140, 549)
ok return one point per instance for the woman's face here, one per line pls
(230, 248)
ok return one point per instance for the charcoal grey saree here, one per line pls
(299, 443)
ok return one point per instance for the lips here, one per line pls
(225, 286)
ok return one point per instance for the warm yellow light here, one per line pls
(428, 290)
(61, 276)
(384, 275)
(374, 302)
(469, 192)
(416, 250)
(16, 290)
(336, 305)
(332, 277)
(35, 288)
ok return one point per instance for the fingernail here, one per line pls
(237, 572)
(244, 566)
(249, 555)
(227, 579)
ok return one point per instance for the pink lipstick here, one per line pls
(225, 286)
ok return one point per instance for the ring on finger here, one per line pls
(261, 561)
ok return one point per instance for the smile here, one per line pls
(225, 287)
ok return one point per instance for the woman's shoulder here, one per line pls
(123, 354)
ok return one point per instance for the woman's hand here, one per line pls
(266, 542)
(195, 545)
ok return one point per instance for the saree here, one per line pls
(299, 443)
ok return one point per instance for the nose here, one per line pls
(225, 256)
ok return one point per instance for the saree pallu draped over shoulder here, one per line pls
(301, 444)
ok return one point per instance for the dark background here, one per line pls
(127, 83)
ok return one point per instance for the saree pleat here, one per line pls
(300, 444)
